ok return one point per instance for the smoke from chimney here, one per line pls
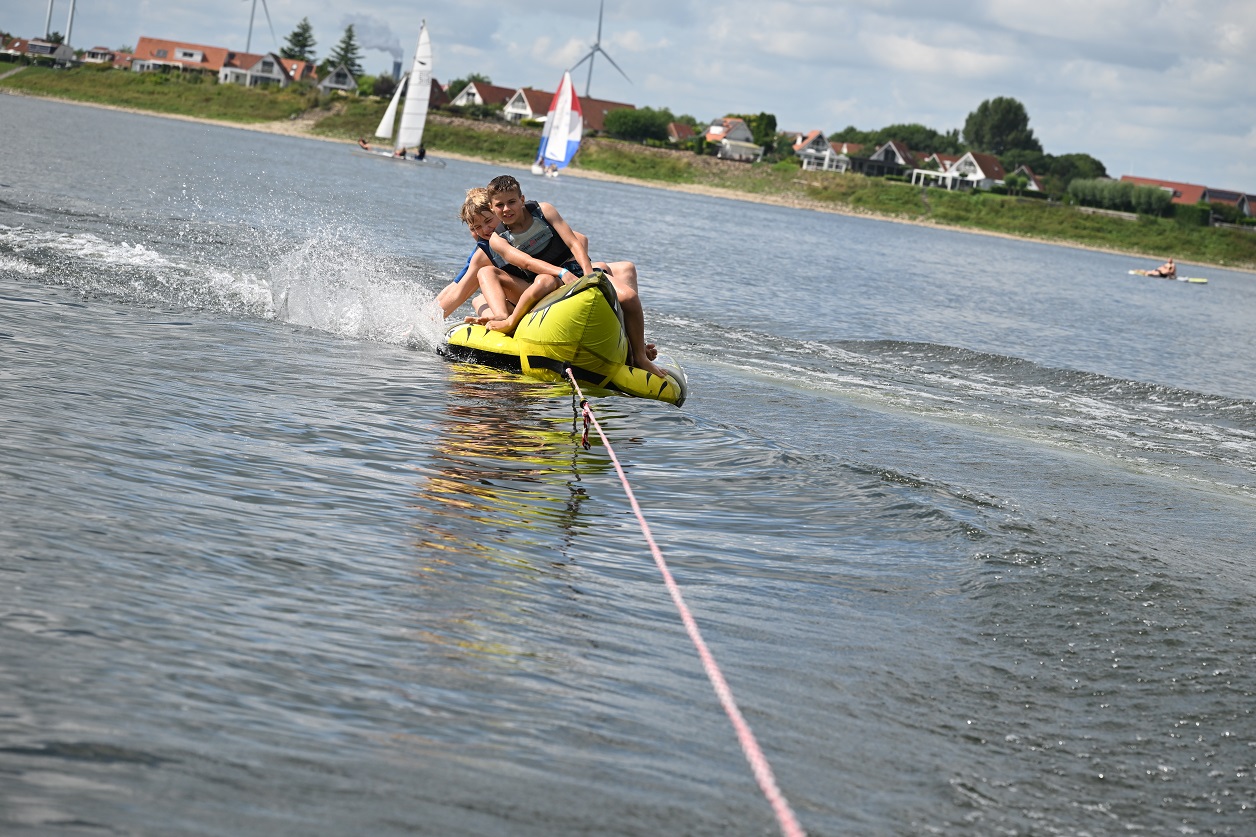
(373, 33)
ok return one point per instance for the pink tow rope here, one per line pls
(749, 746)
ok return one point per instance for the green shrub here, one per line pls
(1192, 214)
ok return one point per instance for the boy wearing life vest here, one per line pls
(539, 232)
(478, 215)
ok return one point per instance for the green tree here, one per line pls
(383, 85)
(300, 42)
(852, 134)
(638, 124)
(346, 53)
(455, 86)
(998, 126)
(55, 38)
(917, 137)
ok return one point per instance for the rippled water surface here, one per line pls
(966, 521)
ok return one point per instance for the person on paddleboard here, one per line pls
(1168, 270)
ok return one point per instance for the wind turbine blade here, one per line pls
(587, 57)
(601, 7)
(613, 64)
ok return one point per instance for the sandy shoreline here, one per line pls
(300, 128)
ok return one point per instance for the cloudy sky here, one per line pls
(1157, 88)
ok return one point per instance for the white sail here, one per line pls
(385, 129)
(418, 91)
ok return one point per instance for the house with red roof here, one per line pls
(482, 93)
(735, 140)
(152, 54)
(1034, 185)
(595, 111)
(251, 70)
(811, 144)
(1182, 192)
(679, 132)
(529, 103)
(38, 48)
(940, 161)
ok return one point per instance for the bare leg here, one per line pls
(623, 276)
(491, 286)
(454, 294)
(539, 288)
(482, 312)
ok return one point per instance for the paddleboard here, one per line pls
(1194, 280)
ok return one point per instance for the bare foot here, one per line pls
(476, 320)
(504, 326)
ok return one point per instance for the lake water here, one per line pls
(967, 522)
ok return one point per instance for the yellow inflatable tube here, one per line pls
(578, 325)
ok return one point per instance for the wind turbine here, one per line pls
(597, 47)
(249, 43)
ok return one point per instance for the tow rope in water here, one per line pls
(749, 746)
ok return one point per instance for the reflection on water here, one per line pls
(504, 463)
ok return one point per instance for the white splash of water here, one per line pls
(334, 285)
(10, 264)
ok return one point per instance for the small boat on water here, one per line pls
(564, 127)
(417, 89)
(578, 326)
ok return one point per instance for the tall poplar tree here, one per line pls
(300, 43)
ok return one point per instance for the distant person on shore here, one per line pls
(400, 152)
(421, 154)
(1168, 270)
(366, 146)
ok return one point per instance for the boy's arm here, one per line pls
(521, 259)
(575, 243)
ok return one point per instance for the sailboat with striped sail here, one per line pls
(417, 89)
(564, 126)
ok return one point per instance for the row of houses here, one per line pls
(972, 170)
(520, 103)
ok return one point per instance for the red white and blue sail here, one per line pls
(564, 125)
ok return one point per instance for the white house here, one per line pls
(815, 152)
(481, 93)
(527, 103)
(339, 79)
(972, 171)
(735, 139)
(254, 70)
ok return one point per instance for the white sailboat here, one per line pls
(417, 89)
(564, 126)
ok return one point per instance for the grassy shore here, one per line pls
(302, 111)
